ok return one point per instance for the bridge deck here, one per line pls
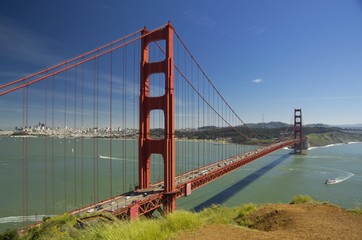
(142, 202)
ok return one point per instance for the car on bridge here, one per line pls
(98, 207)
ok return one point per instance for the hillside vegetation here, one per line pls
(303, 218)
(323, 139)
(263, 133)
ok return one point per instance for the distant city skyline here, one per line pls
(265, 57)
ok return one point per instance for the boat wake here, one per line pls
(112, 158)
(343, 176)
(332, 145)
(18, 219)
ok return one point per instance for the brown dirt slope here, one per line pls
(282, 221)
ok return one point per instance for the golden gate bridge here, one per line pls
(116, 123)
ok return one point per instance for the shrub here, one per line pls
(357, 210)
(57, 227)
(181, 220)
(9, 235)
(218, 215)
(135, 230)
(147, 229)
(247, 209)
(302, 199)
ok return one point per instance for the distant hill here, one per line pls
(319, 134)
(318, 125)
(268, 125)
(358, 125)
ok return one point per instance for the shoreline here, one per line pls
(118, 137)
(333, 145)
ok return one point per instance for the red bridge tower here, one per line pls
(166, 146)
(298, 134)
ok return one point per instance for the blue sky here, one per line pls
(265, 57)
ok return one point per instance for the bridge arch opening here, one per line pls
(157, 85)
(156, 51)
(157, 128)
(157, 168)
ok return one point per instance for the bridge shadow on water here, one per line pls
(227, 193)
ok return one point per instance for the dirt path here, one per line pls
(283, 221)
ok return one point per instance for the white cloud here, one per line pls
(257, 30)
(200, 19)
(329, 98)
(24, 45)
(258, 80)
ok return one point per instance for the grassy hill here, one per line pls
(303, 218)
(323, 139)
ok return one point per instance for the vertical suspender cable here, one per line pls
(65, 142)
(94, 132)
(210, 120)
(74, 150)
(134, 112)
(123, 122)
(45, 148)
(24, 157)
(27, 156)
(203, 122)
(53, 133)
(125, 112)
(23, 161)
(177, 125)
(220, 125)
(198, 118)
(110, 125)
(192, 118)
(184, 120)
(81, 139)
(97, 126)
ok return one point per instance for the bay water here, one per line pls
(45, 176)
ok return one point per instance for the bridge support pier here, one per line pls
(166, 146)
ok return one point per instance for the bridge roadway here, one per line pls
(142, 202)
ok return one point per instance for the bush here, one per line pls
(135, 230)
(357, 210)
(243, 211)
(181, 220)
(302, 199)
(58, 227)
(9, 235)
(225, 215)
(247, 209)
(154, 229)
(218, 215)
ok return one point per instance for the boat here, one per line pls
(331, 181)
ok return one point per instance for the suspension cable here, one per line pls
(213, 86)
(96, 56)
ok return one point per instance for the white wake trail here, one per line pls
(112, 158)
(343, 176)
(18, 219)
